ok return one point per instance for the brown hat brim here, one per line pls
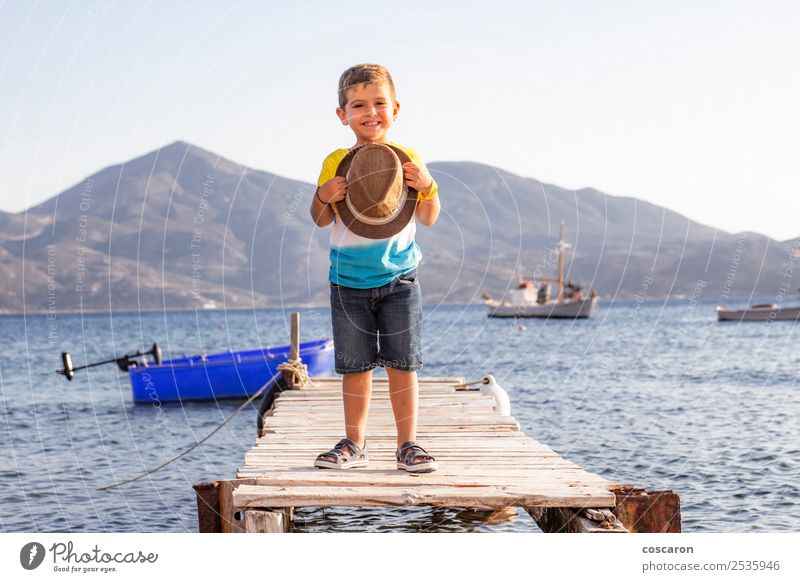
(376, 231)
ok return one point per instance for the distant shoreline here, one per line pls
(289, 308)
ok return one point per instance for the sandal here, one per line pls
(344, 455)
(408, 459)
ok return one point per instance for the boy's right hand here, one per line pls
(333, 190)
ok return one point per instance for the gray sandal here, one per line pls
(344, 455)
(408, 457)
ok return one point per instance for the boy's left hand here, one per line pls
(417, 177)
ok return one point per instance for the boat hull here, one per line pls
(554, 310)
(766, 314)
(225, 375)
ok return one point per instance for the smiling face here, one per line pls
(370, 111)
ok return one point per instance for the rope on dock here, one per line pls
(212, 433)
(298, 370)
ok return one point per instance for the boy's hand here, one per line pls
(417, 178)
(333, 190)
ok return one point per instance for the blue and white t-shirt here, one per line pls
(361, 262)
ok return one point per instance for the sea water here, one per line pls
(657, 395)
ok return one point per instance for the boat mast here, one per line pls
(561, 263)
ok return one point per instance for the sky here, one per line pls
(688, 105)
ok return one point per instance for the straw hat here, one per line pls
(378, 203)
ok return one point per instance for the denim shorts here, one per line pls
(378, 327)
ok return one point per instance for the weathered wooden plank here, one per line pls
(337, 380)
(334, 414)
(332, 408)
(454, 465)
(380, 395)
(466, 442)
(449, 459)
(325, 387)
(471, 421)
(326, 383)
(499, 472)
(475, 454)
(325, 391)
(265, 521)
(385, 464)
(385, 408)
(430, 416)
(386, 431)
(512, 439)
(518, 456)
(312, 420)
(331, 436)
(544, 463)
(253, 496)
(496, 474)
(530, 481)
(351, 479)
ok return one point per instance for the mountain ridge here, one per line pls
(183, 145)
(181, 226)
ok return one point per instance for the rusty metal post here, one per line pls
(208, 516)
(644, 511)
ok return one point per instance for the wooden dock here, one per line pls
(485, 462)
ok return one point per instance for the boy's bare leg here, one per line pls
(403, 392)
(356, 393)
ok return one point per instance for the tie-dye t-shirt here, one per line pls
(362, 262)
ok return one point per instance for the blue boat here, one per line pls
(226, 375)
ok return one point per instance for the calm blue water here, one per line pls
(656, 395)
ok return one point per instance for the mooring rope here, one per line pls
(298, 370)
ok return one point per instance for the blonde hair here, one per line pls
(361, 75)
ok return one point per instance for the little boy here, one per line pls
(375, 296)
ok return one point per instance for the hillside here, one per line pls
(181, 226)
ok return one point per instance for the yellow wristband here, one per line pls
(434, 191)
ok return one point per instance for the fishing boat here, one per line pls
(532, 298)
(223, 375)
(764, 312)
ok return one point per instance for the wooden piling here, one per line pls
(294, 344)
(266, 521)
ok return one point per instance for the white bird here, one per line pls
(490, 387)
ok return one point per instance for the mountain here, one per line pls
(181, 226)
(618, 243)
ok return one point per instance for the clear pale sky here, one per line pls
(689, 105)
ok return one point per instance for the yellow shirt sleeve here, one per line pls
(329, 170)
(329, 166)
(417, 159)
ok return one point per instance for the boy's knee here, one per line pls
(356, 376)
(402, 369)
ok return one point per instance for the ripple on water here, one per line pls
(709, 411)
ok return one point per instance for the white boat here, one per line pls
(532, 298)
(766, 312)
(566, 309)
